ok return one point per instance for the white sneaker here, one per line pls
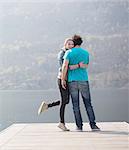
(42, 107)
(63, 127)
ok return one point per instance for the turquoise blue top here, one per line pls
(75, 56)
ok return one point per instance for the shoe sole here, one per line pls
(63, 129)
(96, 130)
(79, 130)
(40, 108)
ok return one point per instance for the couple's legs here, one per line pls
(64, 100)
(64, 93)
(83, 87)
(56, 103)
(74, 92)
(44, 106)
(62, 109)
(85, 93)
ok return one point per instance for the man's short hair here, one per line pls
(77, 40)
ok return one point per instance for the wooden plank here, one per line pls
(47, 136)
(8, 133)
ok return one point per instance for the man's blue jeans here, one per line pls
(76, 87)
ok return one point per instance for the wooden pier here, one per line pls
(47, 136)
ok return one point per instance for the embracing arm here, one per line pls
(79, 65)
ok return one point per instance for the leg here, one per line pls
(44, 106)
(85, 92)
(62, 112)
(56, 103)
(64, 100)
(74, 92)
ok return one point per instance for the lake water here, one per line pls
(22, 106)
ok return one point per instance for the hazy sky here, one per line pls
(25, 1)
(34, 31)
